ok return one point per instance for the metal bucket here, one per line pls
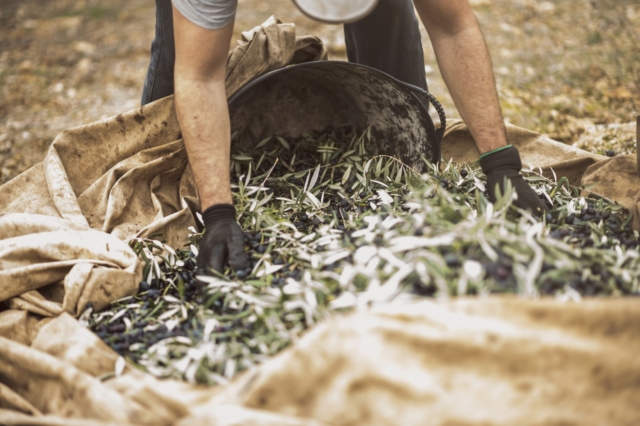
(316, 95)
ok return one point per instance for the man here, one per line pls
(387, 38)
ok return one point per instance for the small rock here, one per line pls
(84, 47)
(545, 7)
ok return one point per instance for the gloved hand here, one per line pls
(505, 163)
(223, 240)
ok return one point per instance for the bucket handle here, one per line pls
(421, 93)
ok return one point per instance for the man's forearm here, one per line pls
(466, 68)
(204, 120)
(465, 64)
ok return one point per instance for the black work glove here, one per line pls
(505, 163)
(223, 240)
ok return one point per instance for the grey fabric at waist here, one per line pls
(209, 14)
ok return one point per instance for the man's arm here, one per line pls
(203, 114)
(201, 105)
(466, 67)
(465, 64)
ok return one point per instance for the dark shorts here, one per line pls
(388, 39)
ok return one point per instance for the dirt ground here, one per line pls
(569, 68)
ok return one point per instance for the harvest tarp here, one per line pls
(64, 225)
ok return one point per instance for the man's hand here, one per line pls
(223, 240)
(505, 164)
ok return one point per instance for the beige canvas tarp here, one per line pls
(63, 231)
(499, 361)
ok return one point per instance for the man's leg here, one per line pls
(389, 40)
(159, 81)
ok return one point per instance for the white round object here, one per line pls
(336, 11)
(473, 269)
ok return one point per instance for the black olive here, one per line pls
(120, 347)
(464, 173)
(452, 260)
(502, 273)
(117, 328)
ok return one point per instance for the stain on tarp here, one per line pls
(139, 118)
